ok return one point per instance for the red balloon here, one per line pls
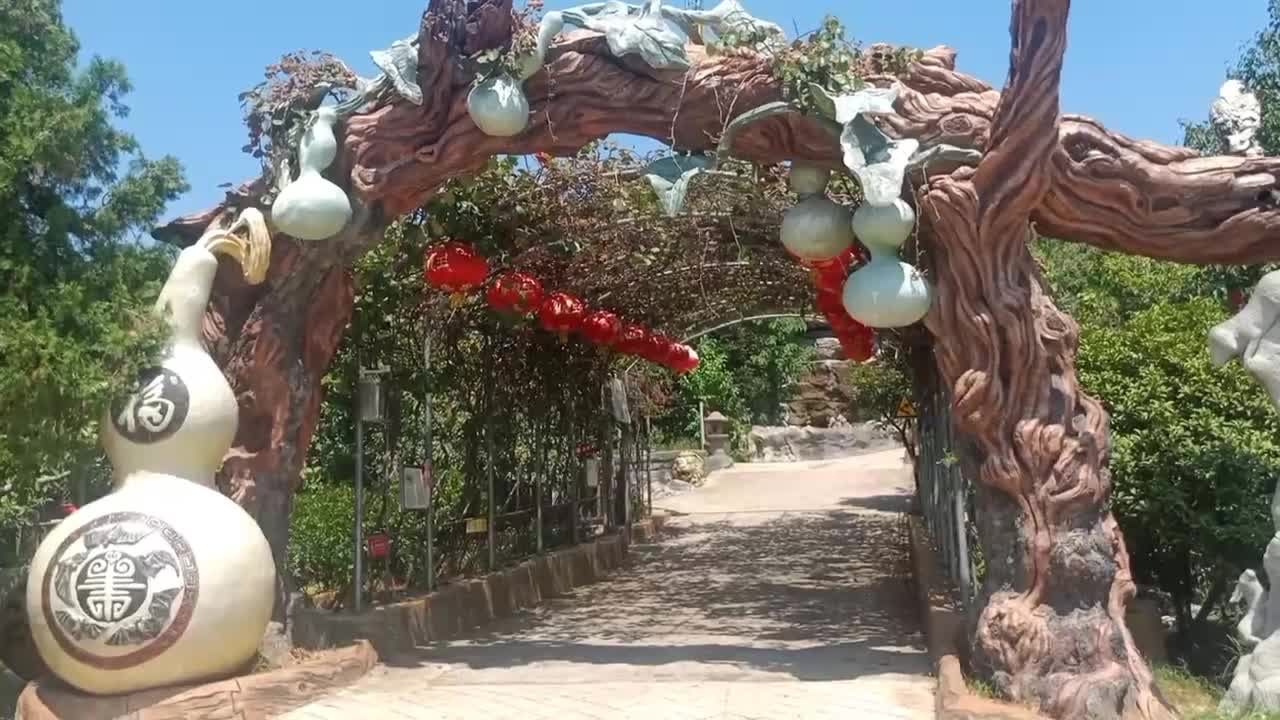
(602, 328)
(515, 291)
(455, 267)
(561, 313)
(633, 340)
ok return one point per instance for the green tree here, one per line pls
(75, 283)
(746, 372)
(1194, 448)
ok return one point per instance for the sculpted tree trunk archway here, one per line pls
(1052, 630)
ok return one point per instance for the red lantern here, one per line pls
(684, 359)
(657, 349)
(561, 313)
(858, 346)
(830, 304)
(515, 291)
(602, 328)
(632, 341)
(455, 268)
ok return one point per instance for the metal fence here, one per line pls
(946, 500)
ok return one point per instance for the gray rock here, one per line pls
(792, 444)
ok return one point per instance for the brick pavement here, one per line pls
(779, 592)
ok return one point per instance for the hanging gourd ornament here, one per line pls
(312, 208)
(886, 292)
(633, 340)
(561, 313)
(602, 328)
(456, 268)
(515, 292)
(817, 229)
(498, 106)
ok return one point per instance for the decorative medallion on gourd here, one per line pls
(155, 408)
(456, 268)
(561, 313)
(120, 590)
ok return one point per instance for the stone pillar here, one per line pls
(717, 434)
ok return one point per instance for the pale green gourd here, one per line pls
(311, 207)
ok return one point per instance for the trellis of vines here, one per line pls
(503, 395)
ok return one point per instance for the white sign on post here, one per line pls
(592, 467)
(618, 396)
(415, 488)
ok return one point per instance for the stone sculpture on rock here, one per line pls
(165, 580)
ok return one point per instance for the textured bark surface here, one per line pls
(1052, 630)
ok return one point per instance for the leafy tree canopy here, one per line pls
(75, 192)
(1194, 448)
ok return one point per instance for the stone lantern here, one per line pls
(716, 427)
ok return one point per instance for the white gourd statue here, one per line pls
(886, 292)
(165, 580)
(817, 228)
(312, 208)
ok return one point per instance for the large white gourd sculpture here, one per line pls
(165, 580)
(311, 207)
(885, 292)
(817, 228)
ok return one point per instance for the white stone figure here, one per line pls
(1237, 115)
(165, 580)
(1253, 336)
(311, 207)
(1252, 627)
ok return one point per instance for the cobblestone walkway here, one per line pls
(779, 592)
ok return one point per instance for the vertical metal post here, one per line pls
(626, 484)
(537, 479)
(489, 472)
(702, 427)
(648, 463)
(427, 452)
(358, 527)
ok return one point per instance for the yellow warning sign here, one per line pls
(906, 409)
(477, 525)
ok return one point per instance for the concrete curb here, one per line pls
(469, 604)
(260, 695)
(943, 628)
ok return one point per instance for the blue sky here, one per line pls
(1136, 65)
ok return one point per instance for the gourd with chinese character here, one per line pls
(165, 580)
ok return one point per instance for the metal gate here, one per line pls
(945, 498)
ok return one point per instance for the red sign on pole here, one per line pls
(379, 545)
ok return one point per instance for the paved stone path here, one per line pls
(779, 591)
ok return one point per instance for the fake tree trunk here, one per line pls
(1052, 629)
